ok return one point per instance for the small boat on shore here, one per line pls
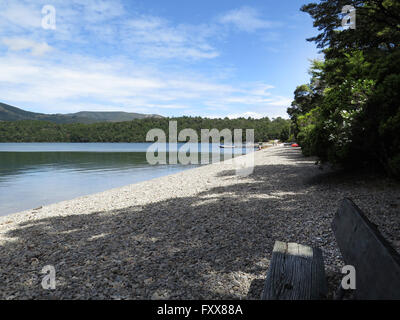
(224, 146)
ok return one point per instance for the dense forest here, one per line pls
(349, 112)
(134, 131)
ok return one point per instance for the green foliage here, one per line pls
(136, 130)
(352, 116)
(377, 25)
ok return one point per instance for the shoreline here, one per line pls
(62, 185)
(202, 233)
(112, 191)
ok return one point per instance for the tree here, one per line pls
(349, 113)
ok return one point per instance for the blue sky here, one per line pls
(171, 57)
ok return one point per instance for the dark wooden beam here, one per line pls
(296, 272)
(376, 263)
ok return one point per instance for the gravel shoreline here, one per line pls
(203, 233)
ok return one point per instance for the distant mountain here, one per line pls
(10, 113)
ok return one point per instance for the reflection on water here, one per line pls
(47, 173)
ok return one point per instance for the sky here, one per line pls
(209, 58)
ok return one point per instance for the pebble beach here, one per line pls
(203, 233)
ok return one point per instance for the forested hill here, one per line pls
(135, 130)
(10, 113)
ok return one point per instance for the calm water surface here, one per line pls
(37, 174)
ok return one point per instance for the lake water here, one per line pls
(37, 174)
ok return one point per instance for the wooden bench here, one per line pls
(376, 263)
(296, 272)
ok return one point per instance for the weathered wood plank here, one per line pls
(376, 263)
(296, 272)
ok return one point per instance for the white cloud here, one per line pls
(18, 44)
(107, 23)
(279, 101)
(18, 15)
(248, 114)
(120, 85)
(98, 11)
(133, 76)
(245, 19)
(153, 37)
(168, 106)
(181, 52)
(261, 90)
(47, 82)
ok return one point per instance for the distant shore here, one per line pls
(203, 233)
